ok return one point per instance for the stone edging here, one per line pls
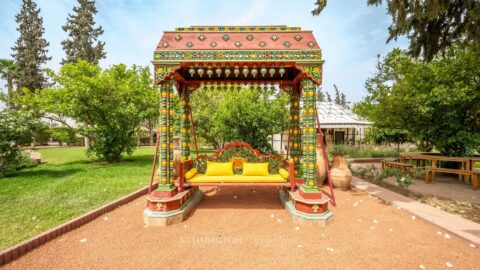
(12, 253)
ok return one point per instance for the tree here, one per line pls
(30, 50)
(438, 103)
(343, 101)
(7, 72)
(329, 98)
(338, 99)
(62, 134)
(112, 102)
(432, 26)
(252, 116)
(18, 129)
(320, 95)
(83, 35)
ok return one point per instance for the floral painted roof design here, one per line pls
(277, 37)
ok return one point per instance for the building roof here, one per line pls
(332, 115)
(273, 37)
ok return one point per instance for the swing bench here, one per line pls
(237, 164)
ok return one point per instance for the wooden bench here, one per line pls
(474, 173)
(395, 164)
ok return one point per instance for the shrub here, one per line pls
(339, 150)
(17, 128)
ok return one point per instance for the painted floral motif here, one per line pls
(178, 37)
(297, 37)
(315, 71)
(189, 44)
(274, 37)
(235, 55)
(202, 37)
(237, 29)
(165, 44)
(238, 44)
(226, 37)
(262, 44)
(213, 44)
(287, 44)
(311, 44)
(249, 37)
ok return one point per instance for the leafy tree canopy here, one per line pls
(246, 115)
(432, 26)
(112, 102)
(438, 103)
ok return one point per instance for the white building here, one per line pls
(339, 125)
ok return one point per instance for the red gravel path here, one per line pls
(239, 233)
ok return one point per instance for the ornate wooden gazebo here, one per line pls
(223, 57)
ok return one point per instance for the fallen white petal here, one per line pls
(414, 217)
(34, 217)
(447, 236)
(390, 230)
(323, 235)
(375, 221)
(472, 245)
(297, 228)
(421, 266)
(372, 228)
(355, 204)
(185, 226)
(105, 218)
(361, 200)
(439, 232)
(299, 246)
(279, 220)
(272, 216)
(145, 226)
(449, 265)
(83, 240)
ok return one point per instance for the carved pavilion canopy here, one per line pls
(236, 54)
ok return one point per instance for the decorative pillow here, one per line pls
(191, 173)
(283, 173)
(219, 168)
(255, 169)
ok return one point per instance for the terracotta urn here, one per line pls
(340, 174)
(321, 169)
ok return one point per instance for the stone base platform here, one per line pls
(187, 201)
(319, 214)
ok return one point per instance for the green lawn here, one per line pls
(37, 199)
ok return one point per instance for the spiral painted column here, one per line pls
(294, 131)
(166, 136)
(309, 158)
(185, 125)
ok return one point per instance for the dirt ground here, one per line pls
(238, 228)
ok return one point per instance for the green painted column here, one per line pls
(166, 163)
(294, 132)
(309, 157)
(185, 125)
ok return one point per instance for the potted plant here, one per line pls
(340, 174)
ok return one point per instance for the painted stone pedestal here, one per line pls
(306, 207)
(170, 207)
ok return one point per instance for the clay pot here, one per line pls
(340, 174)
(321, 169)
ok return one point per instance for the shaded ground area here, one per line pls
(446, 193)
(248, 229)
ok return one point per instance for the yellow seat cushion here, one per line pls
(284, 173)
(255, 169)
(272, 178)
(219, 168)
(191, 173)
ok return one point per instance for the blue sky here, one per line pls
(350, 33)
